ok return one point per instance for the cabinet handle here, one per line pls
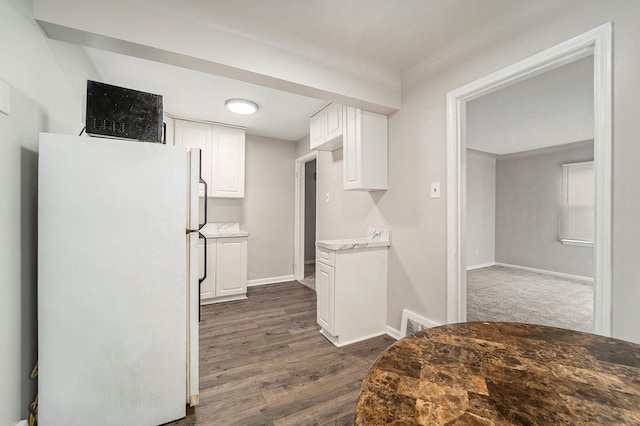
(204, 277)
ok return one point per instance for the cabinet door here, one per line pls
(228, 152)
(208, 285)
(196, 135)
(316, 130)
(352, 161)
(365, 151)
(332, 121)
(231, 266)
(325, 292)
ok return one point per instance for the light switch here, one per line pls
(5, 97)
(435, 189)
(327, 198)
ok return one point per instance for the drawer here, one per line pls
(328, 257)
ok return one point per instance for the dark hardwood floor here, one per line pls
(263, 362)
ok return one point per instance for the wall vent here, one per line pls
(412, 323)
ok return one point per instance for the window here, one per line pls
(578, 204)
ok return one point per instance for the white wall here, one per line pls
(481, 208)
(348, 214)
(47, 80)
(528, 210)
(267, 209)
(417, 275)
(302, 147)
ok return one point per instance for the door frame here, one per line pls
(597, 42)
(299, 221)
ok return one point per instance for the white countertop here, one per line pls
(223, 234)
(352, 243)
(374, 238)
(223, 230)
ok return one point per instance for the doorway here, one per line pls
(524, 263)
(596, 42)
(305, 219)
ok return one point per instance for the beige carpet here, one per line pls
(505, 294)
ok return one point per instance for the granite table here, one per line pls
(502, 374)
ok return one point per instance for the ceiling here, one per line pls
(382, 37)
(201, 96)
(553, 108)
(383, 34)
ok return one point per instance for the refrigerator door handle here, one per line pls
(204, 277)
(206, 192)
(206, 199)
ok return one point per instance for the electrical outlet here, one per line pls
(435, 189)
(5, 98)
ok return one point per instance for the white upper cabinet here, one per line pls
(325, 130)
(227, 152)
(191, 134)
(223, 156)
(365, 150)
(316, 130)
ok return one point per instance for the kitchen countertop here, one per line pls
(375, 238)
(224, 234)
(502, 373)
(352, 243)
(223, 230)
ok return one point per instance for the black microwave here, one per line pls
(118, 112)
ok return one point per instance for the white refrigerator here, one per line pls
(118, 282)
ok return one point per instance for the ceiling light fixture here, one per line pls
(241, 106)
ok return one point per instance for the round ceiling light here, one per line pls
(241, 106)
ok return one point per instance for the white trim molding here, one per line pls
(597, 42)
(298, 232)
(545, 272)
(270, 280)
(484, 265)
(393, 332)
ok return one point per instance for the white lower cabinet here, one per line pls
(226, 269)
(351, 289)
(207, 287)
(325, 290)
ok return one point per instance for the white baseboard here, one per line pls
(222, 299)
(22, 423)
(393, 332)
(334, 339)
(483, 265)
(271, 280)
(544, 272)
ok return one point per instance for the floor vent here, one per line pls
(412, 322)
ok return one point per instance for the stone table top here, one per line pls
(502, 374)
